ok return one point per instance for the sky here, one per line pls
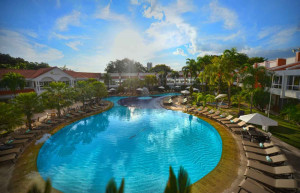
(85, 35)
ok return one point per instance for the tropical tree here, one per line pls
(100, 90)
(112, 187)
(13, 81)
(261, 98)
(150, 80)
(107, 79)
(10, 118)
(238, 98)
(28, 104)
(84, 91)
(185, 71)
(34, 188)
(180, 184)
(253, 78)
(162, 70)
(58, 95)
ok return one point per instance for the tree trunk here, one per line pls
(239, 105)
(251, 101)
(29, 122)
(58, 111)
(229, 96)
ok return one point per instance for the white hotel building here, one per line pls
(37, 79)
(286, 80)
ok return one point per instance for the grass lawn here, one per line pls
(285, 131)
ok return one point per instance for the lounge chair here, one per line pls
(24, 136)
(235, 120)
(203, 111)
(271, 182)
(279, 170)
(218, 115)
(252, 186)
(209, 112)
(233, 125)
(199, 109)
(10, 157)
(17, 142)
(268, 151)
(260, 145)
(277, 159)
(10, 151)
(228, 118)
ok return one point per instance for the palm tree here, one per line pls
(29, 103)
(57, 95)
(179, 185)
(112, 187)
(238, 98)
(13, 81)
(84, 91)
(107, 79)
(185, 71)
(100, 90)
(253, 78)
(10, 118)
(35, 189)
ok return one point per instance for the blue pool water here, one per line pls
(138, 144)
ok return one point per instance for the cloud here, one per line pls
(265, 32)
(106, 14)
(283, 36)
(66, 37)
(135, 2)
(57, 4)
(179, 51)
(63, 23)
(74, 45)
(30, 33)
(17, 45)
(267, 53)
(171, 30)
(219, 13)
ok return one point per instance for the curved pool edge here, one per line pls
(226, 172)
(25, 171)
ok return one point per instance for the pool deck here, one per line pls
(18, 177)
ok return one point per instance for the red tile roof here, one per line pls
(83, 74)
(8, 92)
(27, 73)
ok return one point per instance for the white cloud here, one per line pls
(179, 51)
(74, 45)
(267, 31)
(17, 45)
(57, 3)
(67, 37)
(30, 33)
(171, 30)
(219, 13)
(135, 2)
(283, 36)
(106, 14)
(63, 23)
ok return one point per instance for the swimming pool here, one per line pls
(138, 144)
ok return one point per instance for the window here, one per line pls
(293, 83)
(277, 82)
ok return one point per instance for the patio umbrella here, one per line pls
(177, 86)
(185, 92)
(221, 96)
(161, 87)
(187, 88)
(195, 89)
(112, 89)
(259, 119)
(139, 89)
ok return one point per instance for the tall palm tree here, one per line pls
(180, 184)
(29, 103)
(107, 79)
(13, 81)
(57, 95)
(185, 71)
(112, 187)
(253, 78)
(174, 75)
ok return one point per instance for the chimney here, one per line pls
(281, 61)
(297, 58)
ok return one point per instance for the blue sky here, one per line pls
(85, 35)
